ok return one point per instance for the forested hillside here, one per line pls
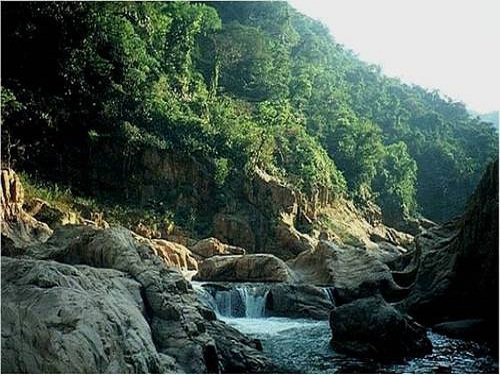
(94, 93)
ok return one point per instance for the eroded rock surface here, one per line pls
(354, 272)
(98, 286)
(17, 225)
(457, 275)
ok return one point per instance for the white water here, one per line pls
(302, 345)
(243, 301)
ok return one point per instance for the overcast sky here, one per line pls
(450, 45)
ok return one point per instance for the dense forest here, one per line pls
(88, 88)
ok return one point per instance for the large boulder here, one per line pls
(299, 301)
(81, 319)
(457, 277)
(242, 268)
(371, 328)
(105, 302)
(354, 272)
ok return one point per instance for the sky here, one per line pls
(449, 45)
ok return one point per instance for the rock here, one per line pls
(74, 319)
(17, 224)
(467, 329)
(100, 300)
(355, 273)
(235, 230)
(175, 255)
(252, 267)
(299, 301)
(457, 277)
(290, 241)
(371, 328)
(209, 247)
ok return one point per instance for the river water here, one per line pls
(302, 345)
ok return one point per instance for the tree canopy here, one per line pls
(235, 85)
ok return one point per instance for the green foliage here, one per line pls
(396, 182)
(88, 87)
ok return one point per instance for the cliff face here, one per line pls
(458, 271)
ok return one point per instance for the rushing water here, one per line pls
(303, 346)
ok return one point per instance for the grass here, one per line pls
(64, 199)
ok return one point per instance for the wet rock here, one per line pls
(242, 268)
(299, 301)
(372, 328)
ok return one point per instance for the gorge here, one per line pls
(221, 187)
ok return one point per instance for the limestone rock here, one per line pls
(252, 267)
(66, 318)
(370, 327)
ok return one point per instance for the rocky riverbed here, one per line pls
(303, 345)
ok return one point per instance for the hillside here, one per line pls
(184, 102)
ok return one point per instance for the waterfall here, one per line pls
(329, 293)
(238, 301)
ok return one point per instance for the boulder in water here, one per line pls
(372, 328)
(354, 272)
(299, 301)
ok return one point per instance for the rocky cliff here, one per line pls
(457, 275)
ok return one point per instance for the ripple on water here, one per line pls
(303, 346)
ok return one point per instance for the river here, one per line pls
(302, 345)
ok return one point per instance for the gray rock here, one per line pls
(457, 275)
(354, 272)
(242, 268)
(372, 328)
(299, 301)
(98, 300)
